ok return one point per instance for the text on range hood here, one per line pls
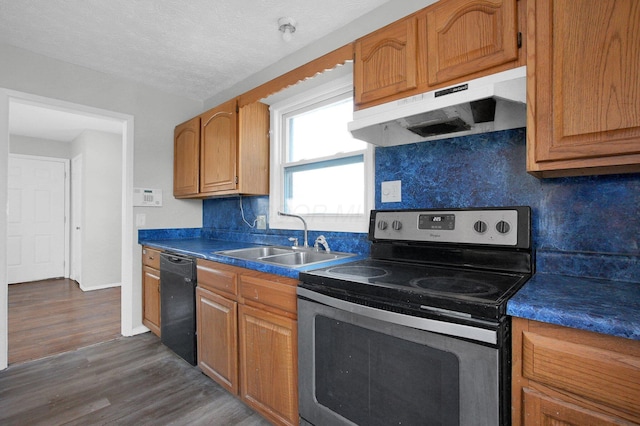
(487, 104)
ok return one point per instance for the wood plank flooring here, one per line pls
(126, 381)
(54, 316)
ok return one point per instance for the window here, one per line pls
(318, 170)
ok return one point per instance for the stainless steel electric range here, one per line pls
(418, 332)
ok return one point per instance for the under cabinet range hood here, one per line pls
(487, 104)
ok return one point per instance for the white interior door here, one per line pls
(76, 219)
(36, 219)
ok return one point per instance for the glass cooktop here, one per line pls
(478, 292)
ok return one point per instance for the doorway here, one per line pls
(37, 208)
(125, 122)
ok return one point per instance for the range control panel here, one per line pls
(496, 226)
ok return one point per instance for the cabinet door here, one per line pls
(465, 37)
(151, 299)
(253, 149)
(583, 87)
(218, 149)
(186, 158)
(385, 62)
(216, 323)
(543, 410)
(268, 364)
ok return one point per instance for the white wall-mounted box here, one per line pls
(145, 197)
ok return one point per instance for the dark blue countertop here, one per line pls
(602, 306)
(205, 248)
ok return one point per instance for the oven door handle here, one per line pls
(427, 324)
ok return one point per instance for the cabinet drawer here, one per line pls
(270, 293)
(218, 277)
(151, 257)
(595, 373)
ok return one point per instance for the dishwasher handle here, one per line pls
(183, 266)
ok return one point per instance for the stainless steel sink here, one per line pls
(300, 258)
(285, 256)
(255, 252)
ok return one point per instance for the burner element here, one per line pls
(358, 271)
(455, 285)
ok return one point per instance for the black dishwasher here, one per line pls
(178, 305)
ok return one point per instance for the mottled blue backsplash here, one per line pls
(222, 219)
(585, 226)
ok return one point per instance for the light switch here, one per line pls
(391, 191)
(141, 219)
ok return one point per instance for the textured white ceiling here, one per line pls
(195, 48)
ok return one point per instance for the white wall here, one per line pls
(25, 145)
(101, 208)
(155, 115)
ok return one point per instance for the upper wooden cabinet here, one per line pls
(464, 37)
(232, 155)
(218, 148)
(386, 61)
(186, 158)
(583, 87)
(443, 44)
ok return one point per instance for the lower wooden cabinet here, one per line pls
(564, 376)
(540, 409)
(268, 361)
(247, 337)
(216, 322)
(151, 289)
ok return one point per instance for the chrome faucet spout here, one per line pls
(322, 241)
(304, 222)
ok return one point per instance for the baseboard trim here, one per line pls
(99, 287)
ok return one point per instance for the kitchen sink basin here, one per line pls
(285, 256)
(254, 253)
(300, 258)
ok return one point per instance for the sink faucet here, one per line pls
(321, 241)
(306, 241)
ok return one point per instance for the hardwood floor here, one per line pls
(126, 381)
(54, 316)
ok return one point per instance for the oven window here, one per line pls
(372, 378)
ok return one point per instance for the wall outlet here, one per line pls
(391, 191)
(261, 221)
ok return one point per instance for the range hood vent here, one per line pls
(487, 104)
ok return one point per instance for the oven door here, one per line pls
(364, 366)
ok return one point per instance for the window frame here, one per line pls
(315, 222)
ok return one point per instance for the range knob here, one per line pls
(480, 227)
(382, 225)
(503, 227)
(396, 225)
